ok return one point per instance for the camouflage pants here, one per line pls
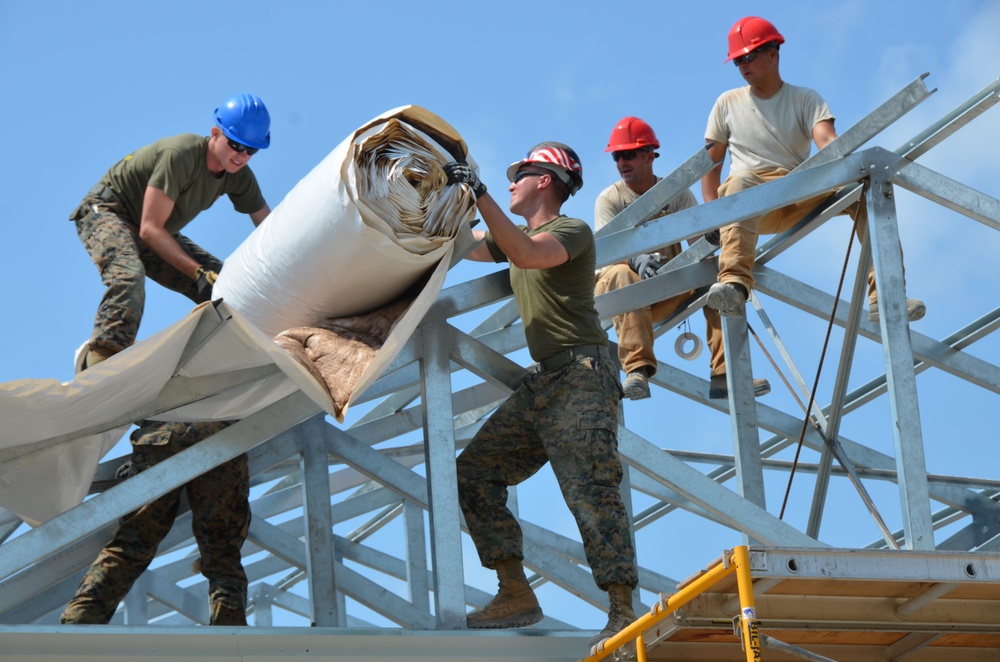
(567, 417)
(220, 511)
(124, 261)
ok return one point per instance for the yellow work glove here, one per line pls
(204, 280)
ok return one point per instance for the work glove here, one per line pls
(462, 173)
(125, 471)
(645, 265)
(204, 280)
(713, 237)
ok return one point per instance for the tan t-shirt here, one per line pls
(767, 133)
(614, 199)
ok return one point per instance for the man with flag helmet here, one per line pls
(632, 145)
(565, 410)
(768, 128)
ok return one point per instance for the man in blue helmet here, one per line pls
(565, 411)
(130, 222)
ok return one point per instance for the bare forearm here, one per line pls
(710, 184)
(508, 237)
(164, 245)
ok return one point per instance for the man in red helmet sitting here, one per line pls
(130, 221)
(633, 146)
(565, 411)
(767, 127)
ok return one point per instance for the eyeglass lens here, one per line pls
(239, 148)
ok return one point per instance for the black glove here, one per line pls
(204, 280)
(462, 173)
(713, 237)
(645, 265)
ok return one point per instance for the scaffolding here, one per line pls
(393, 468)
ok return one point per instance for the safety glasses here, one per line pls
(749, 57)
(521, 174)
(627, 154)
(239, 148)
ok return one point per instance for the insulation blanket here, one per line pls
(357, 231)
(54, 433)
(341, 273)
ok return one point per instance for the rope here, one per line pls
(819, 370)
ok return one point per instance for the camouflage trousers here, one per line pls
(124, 261)
(220, 511)
(567, 417)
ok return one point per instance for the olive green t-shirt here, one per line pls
(178, 167)
(557, 304)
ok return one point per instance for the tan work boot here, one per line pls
(620, 616)
(515, 604)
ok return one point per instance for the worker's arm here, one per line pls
(481, 253)
(713, 178)
(258, 216)
(540, 251)
(710, 184)
(156, 209)
(824, 133)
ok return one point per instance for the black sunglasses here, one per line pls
(627, 154)
(239, 148)
(749, 57)
(521, 174)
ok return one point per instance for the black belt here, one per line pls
(103, 192)
(567, 356)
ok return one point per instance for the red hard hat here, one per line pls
(749, 34)
(632, 133)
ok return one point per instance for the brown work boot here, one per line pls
(620, 616)
(515, 604)
(225, 614)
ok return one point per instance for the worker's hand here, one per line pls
(462, 173)
(645, 265)
(713, 237)
(125, 471)
(205, 280)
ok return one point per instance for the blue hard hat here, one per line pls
(245, 120)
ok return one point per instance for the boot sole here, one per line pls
(519, 619)
(723, 393)
(637, 393)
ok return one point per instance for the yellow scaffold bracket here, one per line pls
(736, 560)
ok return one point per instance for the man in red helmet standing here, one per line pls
(767, 127)
(565, 411)
(633, 146)
(130, 221)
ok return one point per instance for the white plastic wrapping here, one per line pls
(356, 232)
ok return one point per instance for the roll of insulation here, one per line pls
(356, 232)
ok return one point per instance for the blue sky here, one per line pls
(86, 83)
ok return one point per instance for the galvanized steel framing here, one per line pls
(413, 470)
